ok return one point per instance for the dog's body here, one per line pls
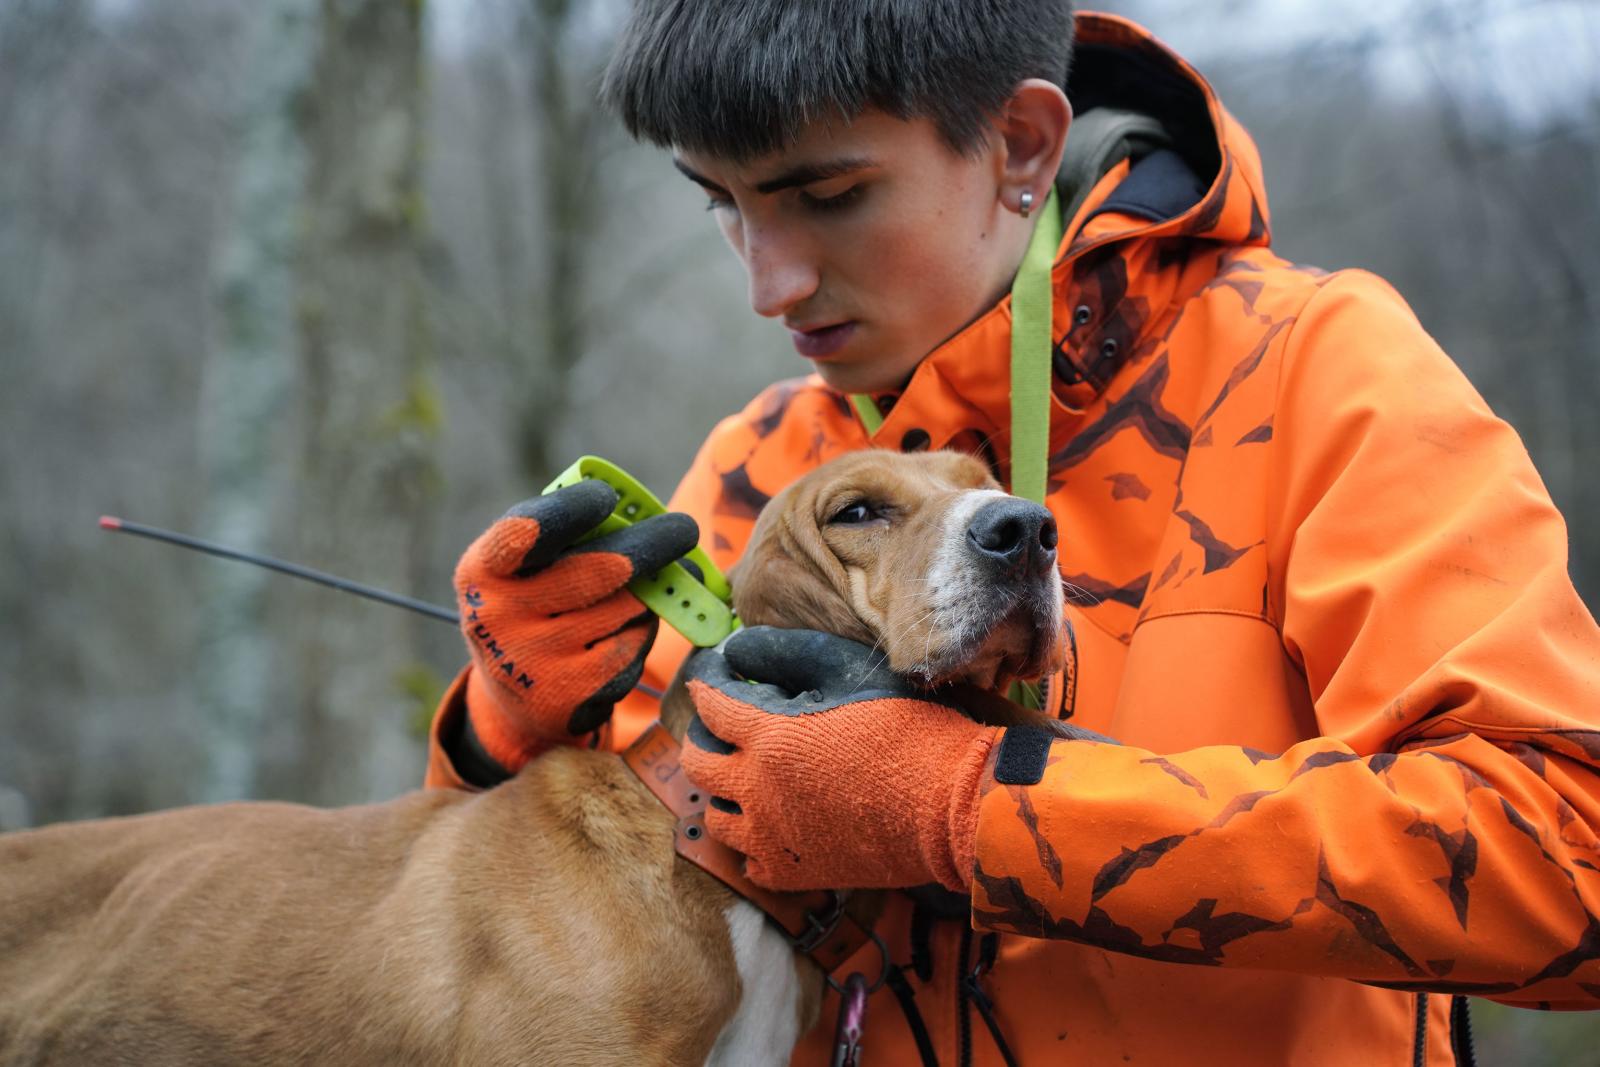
(548, 918)
(548, 915)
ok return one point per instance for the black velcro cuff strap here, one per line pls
(1022, 756)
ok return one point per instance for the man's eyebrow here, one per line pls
(803, 174)
(698, 179)
(806, 173)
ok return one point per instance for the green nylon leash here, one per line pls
(1032, 338)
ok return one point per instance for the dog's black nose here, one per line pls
(1016, 535)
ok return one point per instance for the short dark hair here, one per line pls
(741, 78)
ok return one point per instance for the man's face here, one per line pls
(872, 241)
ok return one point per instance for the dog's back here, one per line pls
(436, 927)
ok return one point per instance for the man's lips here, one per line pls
(822, 341)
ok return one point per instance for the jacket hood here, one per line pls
(1205, 186)
(1118, 64)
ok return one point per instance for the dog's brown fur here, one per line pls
(548, 914)
(546, 918)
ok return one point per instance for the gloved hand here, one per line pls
(555, 636)
(831, 772)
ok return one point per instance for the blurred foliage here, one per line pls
(424, 687)
(1516, 1036)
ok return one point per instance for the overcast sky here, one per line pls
(1537, 61)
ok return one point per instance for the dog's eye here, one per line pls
(855, 513)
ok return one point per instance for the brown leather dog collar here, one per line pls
(815, 923)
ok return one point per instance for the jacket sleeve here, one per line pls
(1440, 835)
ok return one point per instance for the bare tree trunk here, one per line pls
(36, 37)
(565, 70)
(370, 414)
(247, 383)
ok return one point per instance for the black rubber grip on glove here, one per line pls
(563, 516)
(700, 736)
(567, 514)
(596, 710)
(801, 672)
(649, 545)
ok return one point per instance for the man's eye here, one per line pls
(715, 204)
(837, 202)
(855, 514)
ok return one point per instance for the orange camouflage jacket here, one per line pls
(1321, 597)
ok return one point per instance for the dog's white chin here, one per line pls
(1017, 648)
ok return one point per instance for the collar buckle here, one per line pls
(820, 923)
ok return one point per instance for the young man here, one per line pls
(1324, 604)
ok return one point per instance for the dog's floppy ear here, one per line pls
(788, 577)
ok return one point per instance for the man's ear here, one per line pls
(1033, 126)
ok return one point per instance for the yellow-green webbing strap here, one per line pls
(698, 603)
(867, 411)
(1031, 341)
(1032, 337)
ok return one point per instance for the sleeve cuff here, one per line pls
(455, 758)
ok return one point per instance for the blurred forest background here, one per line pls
(339, 280)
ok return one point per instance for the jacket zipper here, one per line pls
(1461, 1032)
(1419, 1047)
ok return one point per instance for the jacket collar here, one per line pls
(1206, 186)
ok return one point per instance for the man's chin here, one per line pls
(870, 375)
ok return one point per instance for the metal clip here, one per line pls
(852, 1022)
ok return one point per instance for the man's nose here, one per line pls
(782, 274)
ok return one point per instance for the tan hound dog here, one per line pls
(545, 920)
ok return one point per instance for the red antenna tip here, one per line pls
(108, 522)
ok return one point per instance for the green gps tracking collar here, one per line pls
(698, 608)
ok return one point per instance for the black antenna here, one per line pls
(294, 570)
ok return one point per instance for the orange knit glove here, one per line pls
(832, 772)
(555, 636)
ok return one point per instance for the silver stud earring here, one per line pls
(1026, 205)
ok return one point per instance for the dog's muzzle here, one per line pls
(1013, 539)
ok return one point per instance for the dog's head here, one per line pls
(920, 555)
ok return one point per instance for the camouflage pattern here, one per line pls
(1319, 594)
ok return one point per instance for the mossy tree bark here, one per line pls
(369, 415)
(322, 409)
(566, 51)
(247, 388)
